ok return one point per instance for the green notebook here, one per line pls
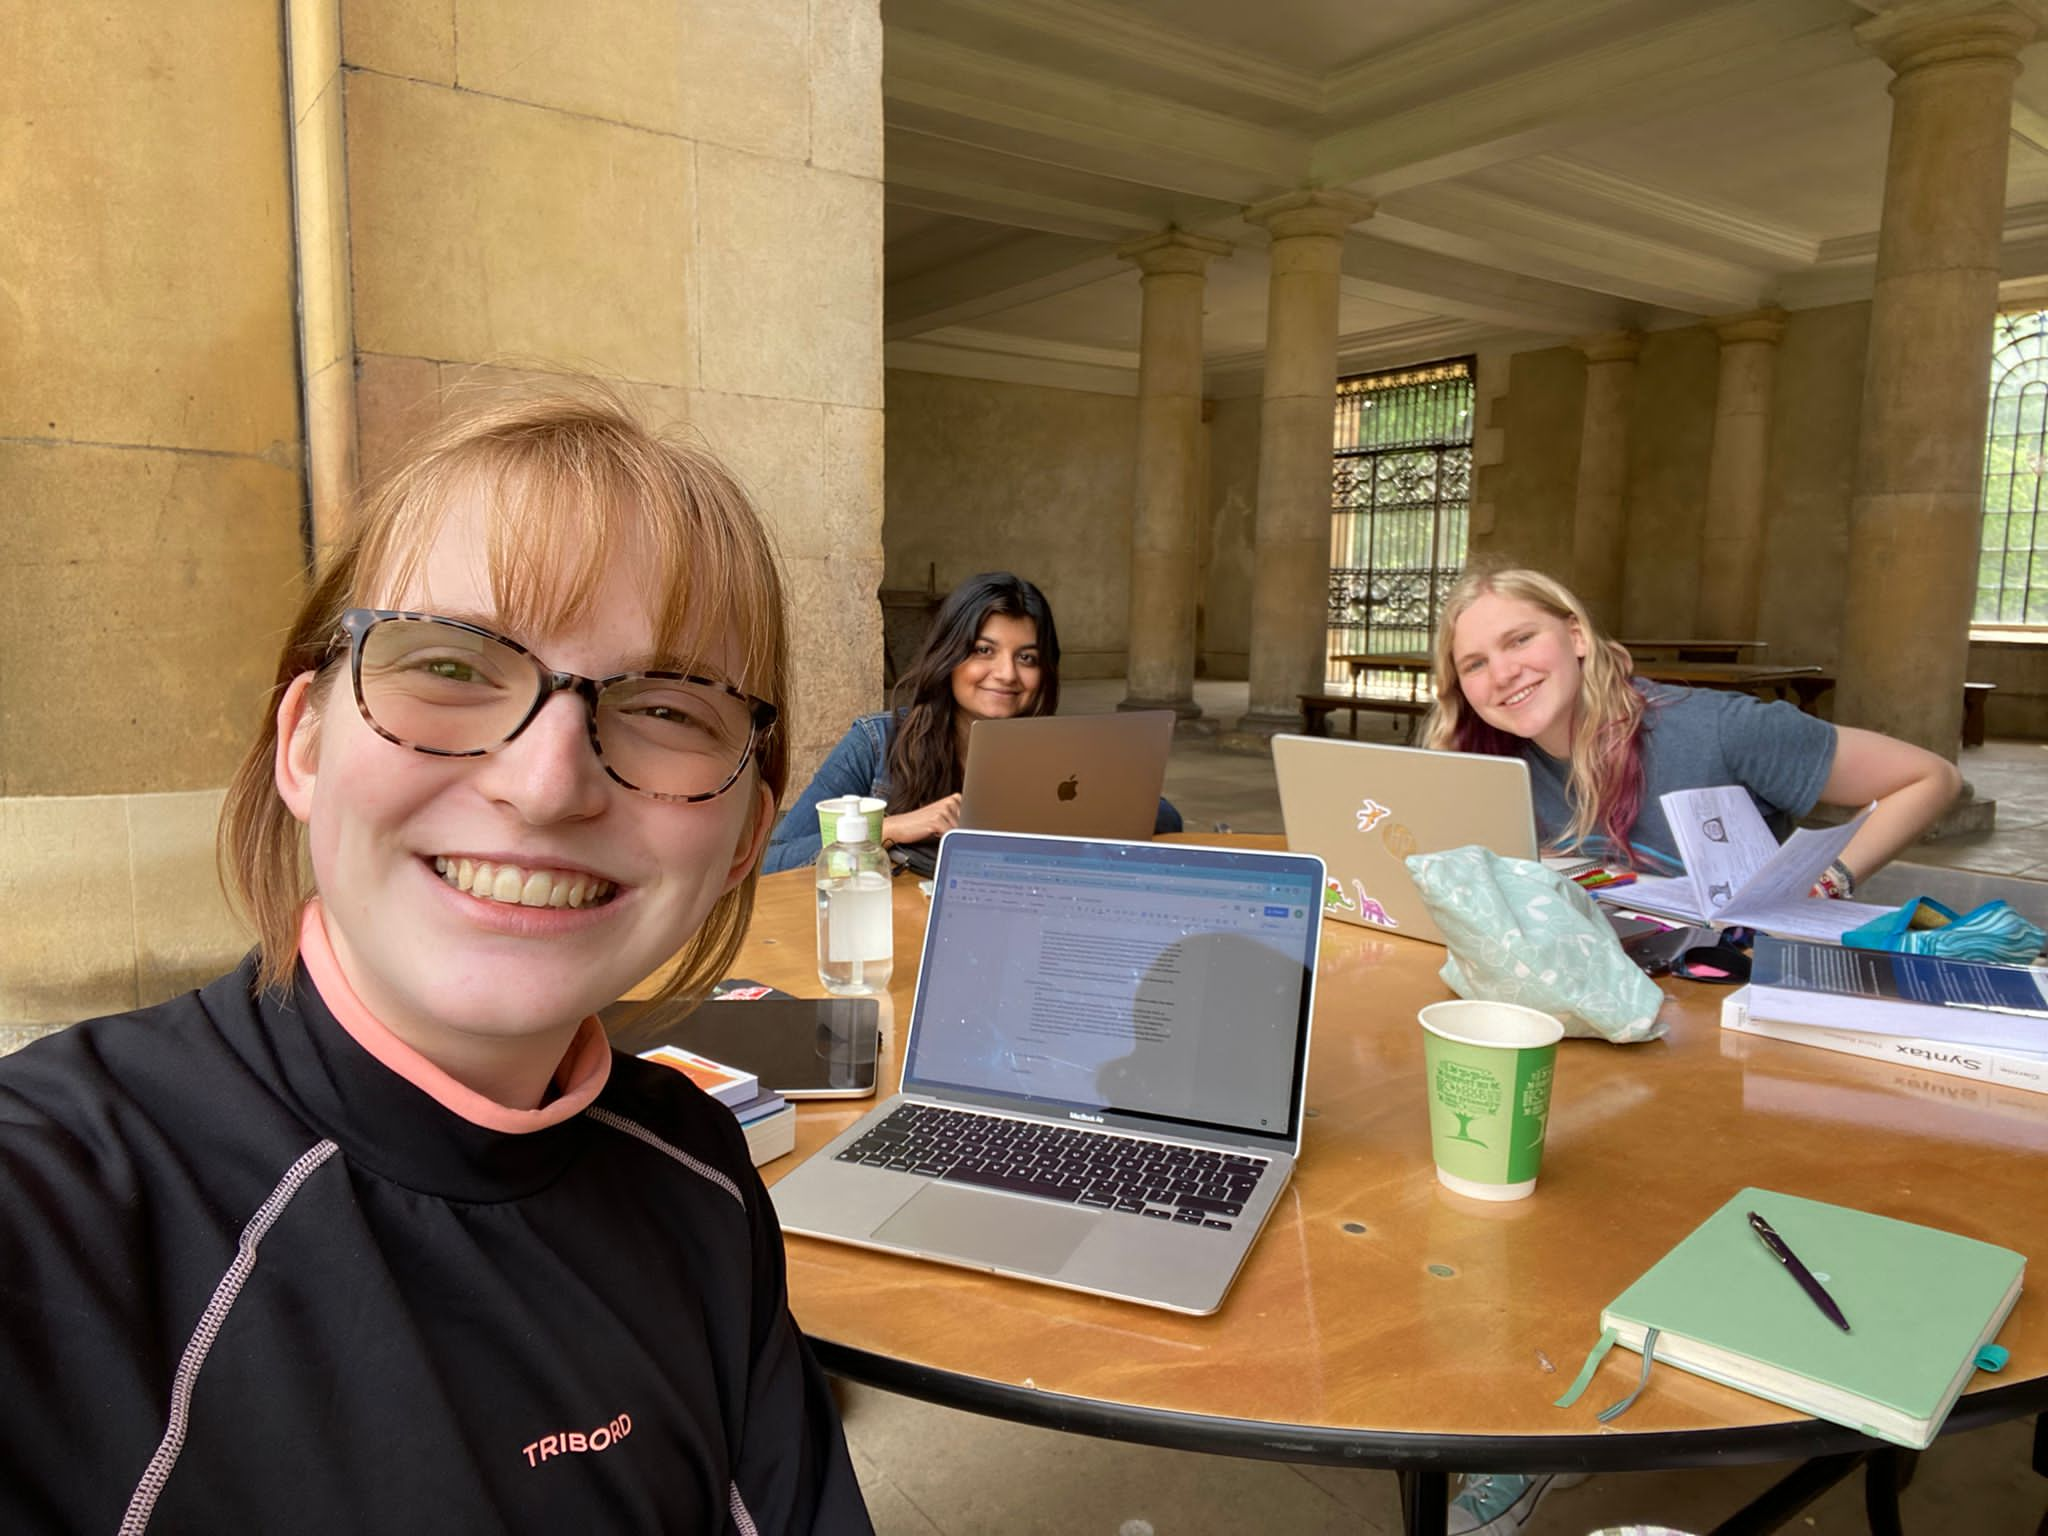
(1920, 1303)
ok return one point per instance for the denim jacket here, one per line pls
(859, 765)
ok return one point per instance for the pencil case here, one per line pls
(1993, 933)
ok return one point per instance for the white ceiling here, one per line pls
(1543, 168)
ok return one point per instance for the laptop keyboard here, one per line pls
(1165, 1180)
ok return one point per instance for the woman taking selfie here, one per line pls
(1521, 672)
(376, 1233)
(992, 653)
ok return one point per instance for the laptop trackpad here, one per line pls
(971, 1224)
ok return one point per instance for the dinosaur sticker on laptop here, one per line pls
(1337, 899)
(1370, 814)
(1371, 911)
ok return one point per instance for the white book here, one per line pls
(772, 1135)
(2008, 1068)
(1739, 876)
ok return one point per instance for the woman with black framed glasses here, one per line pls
(376, 1232)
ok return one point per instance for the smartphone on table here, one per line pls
(801, 1047)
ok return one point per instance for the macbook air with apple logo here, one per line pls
(1067, 775)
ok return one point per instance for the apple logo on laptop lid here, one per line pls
(1070, 787)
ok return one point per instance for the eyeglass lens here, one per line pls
(448, 689)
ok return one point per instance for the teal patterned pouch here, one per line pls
(1992, 933)
(1519, 933)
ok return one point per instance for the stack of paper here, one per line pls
(1738, 876)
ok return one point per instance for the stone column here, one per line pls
(1600, 515)
(1732, 540)
(1291, 553)
(1913, 520)
(1164, 525)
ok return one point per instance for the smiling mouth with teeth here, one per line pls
(1519, 694)
(516, 886)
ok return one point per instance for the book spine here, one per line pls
(2012, 1071)
(771, 1136)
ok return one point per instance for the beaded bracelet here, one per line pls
(1835, 882)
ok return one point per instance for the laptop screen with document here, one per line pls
(1146, 982)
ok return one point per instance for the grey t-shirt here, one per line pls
(1696, 738)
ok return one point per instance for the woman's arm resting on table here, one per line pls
(925, 824)
(1910, 785)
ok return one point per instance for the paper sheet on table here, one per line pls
(1808, 917)
(1738, 874)
(1788, 874)
(1722, 841)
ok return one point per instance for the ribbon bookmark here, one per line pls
(1614, 1411)
(1584, 1379)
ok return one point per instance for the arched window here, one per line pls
(2012, 549)
(1400, 497)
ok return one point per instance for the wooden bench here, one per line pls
(1317, 707)
(1975, 695)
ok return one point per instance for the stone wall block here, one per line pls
(620, 60)
(170, 577)
(396, 399)
(846, 86)
(744, 73)
(984, 476)
(848, 511)
(789, 281)
(486, 230)
(148, 259)
(411, 38)
(835, 622)
(185, 932)
(774, 448)
(67, 949)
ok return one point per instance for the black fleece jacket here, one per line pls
(251, 1280)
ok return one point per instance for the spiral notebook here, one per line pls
(1921, 1304)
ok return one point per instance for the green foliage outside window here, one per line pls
(2012, 558)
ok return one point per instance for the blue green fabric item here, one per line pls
(1994, 933)
(1584, 1379)
(1519, 933)
(1921, 1303)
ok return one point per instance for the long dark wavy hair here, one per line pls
(924, 759)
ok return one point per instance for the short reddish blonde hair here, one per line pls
(568, 483)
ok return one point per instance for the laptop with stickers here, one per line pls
(1363, 808)
(1104, 1074)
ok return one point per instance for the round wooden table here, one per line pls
(1383, 1321)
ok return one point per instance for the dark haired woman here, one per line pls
(992, 653)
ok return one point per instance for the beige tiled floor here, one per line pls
(931, 1471)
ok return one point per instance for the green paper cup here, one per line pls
(829, 812)
(1489, 1067)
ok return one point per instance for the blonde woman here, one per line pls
(1521, 671)
(376, 1232)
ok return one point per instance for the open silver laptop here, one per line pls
(1067, 775)
(1364, 808)
(1103, 1076)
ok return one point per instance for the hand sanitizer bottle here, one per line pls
(855, 943)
